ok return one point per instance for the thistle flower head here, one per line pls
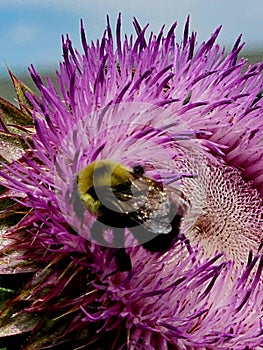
(191, 117)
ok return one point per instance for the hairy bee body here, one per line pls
(120, 198)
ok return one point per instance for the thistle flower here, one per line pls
(191, 115)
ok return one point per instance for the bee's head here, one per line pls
(100, 177)
(138, 170)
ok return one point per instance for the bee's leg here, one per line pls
(260, 247)
(188, 245)
(123, 260)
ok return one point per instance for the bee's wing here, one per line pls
(160, 211)
(147, 203)
(114, 200)
(132, 196)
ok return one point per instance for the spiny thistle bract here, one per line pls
(176, 108)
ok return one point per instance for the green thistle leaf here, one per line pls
(21, 89)
(21, 323)
(12, 146)
(10, 114)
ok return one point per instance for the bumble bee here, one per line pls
(120, 198)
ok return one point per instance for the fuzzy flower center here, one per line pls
(231, 217)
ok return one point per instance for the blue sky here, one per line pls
(30, 31)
